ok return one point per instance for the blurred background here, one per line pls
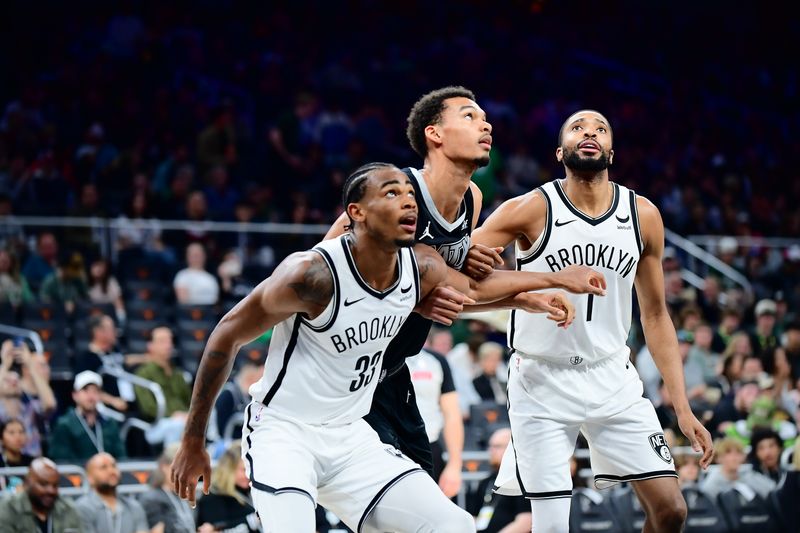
(158, 160)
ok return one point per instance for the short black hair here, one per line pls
(564, 125)
(95, 321)
(763, 434)
(428, 110)
(356, 185)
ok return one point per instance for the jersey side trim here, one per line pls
(336, 295)
(636, 477)
(415, 270)
(635, 217)
(539, 248)
(287, 354)
(583, 216)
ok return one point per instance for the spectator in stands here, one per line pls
(161, 505)
(216, 143)
(67, 285)
(437, 401)
(463, 361)
(730, 373)
(13, 438)
(194, 285)
(220, 195)
(14, 288)
(33, 410)
(730, 322)
(792, 348)
(35, 379)
(42, 262)
(702, 351)
(763, 337)
(729, 454)
(228, 505)
(488, 383)
(734, 406)
(235, 396)
(177, 393)
(12, 237)
(766, 447)
(688, 467)
(102, 510)
(82, 432)
(99, 354)
(709, 300)
(104, 288)
(492, 512)
(38, 507)
(90, 205)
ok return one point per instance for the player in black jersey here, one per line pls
(449, 130)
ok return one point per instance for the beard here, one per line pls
(573, 161)
(482, 161)
(106, 488)
(404, 243)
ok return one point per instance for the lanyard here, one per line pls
(97, 438)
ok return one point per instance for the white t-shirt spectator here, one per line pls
(201, 287)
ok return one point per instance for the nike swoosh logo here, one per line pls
(406, 289)
(348, 303)
(624, 220)
(559, 223)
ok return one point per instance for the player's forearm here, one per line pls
(501, 285)
(509, 302)
(660, 336)
(453, 432)
(215, 367)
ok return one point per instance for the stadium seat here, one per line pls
(783, 500)
(628, 509)
(137, 334)
(148, 310)
(47, 312)
(143, 291)
(85, 310)
(255, 351)
(746, 512)
(703, 515)
(488, 413)
(8, 314)
(590, 512)
(204, 313)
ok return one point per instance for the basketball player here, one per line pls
(562, 382)
(449, 130)
(335, 308)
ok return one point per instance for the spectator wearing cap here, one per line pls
(731, 469)
(81, 432)
(764, 338)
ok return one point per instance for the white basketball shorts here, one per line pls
(550, 403)
(345, 468)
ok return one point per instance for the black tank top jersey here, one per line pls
(452, 241)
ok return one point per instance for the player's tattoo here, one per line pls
(317, 284)
(425, 265)
(211, 376)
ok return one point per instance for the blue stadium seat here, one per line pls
(628, 509)
(703, 516)
(590, 512)
(747, 512)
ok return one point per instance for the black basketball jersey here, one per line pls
(451, 240)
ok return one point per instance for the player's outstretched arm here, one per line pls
(338, 227)
(659, 331)
(302, 283)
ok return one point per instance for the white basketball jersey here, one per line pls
(324, 371)
(610, 244)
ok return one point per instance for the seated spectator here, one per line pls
(194, 285)
(763, 337)
(177, 393)
(734, 407)
(99, 354)
(688, 467)
(792, 348)
(162, 506)
(729, 454)
(235, 396)
(35, 379)
(12, 441)
(494, 512)
(67, 285)
(102, 510)
(81, 432)
(13, 285)
(41, 263)
(228, 505)
(488, 383)
(16, 403)
(766, 447)
(730, 323)
(104, 288)
(38, 507)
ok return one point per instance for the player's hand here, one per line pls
(443, 304)
(481, 261)
(191, 462)
(581, 279)
(698, 436)
(556, 304)
(450, 480)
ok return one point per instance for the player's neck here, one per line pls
(592, 195)
(376, 261)
(447, 181)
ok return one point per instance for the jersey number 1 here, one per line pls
(589, 306)
(364, 365)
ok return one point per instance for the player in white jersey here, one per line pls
(335, 309)
(562, 382)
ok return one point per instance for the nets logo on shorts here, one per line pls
(576, 359)
(659, 445)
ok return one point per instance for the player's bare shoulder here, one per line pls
(521, 218)
(652, 227)
(432, 268)
(308, 276)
